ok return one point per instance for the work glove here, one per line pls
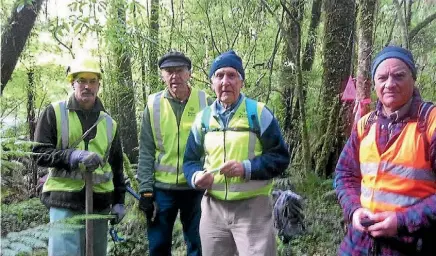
(118, 211)
(147, 205)
(85, 160)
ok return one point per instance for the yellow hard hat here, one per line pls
(86, 64)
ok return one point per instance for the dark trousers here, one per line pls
(169, 203)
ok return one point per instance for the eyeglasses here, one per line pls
(83, 81)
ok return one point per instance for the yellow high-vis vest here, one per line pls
(69, 131)
(169, 137)
(239, 141)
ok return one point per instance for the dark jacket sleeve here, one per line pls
(275, 156)
(45, 152)
(116, 162)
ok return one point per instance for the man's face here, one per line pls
(227, 84)
(86, 86)
(393, 83)
(176, 78)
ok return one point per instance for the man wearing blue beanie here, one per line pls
(234, 150)
(385, 176)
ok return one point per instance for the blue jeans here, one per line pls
(68, 241)
(169, 202)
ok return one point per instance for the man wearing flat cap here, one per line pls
(234, 151)
(165, 127)
(385, 176)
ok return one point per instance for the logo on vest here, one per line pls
(191, 112)
(242, 115)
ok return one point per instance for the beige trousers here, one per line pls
(242, 227)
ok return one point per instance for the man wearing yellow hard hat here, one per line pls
(76, 136)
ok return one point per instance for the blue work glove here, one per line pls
(119, 211)
(82, 159)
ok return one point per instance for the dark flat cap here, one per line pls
(174, 59)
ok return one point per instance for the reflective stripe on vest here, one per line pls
(400, 171)
(399, 177)
(169, 153)
(238, 141)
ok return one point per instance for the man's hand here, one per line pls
(233, 168)
(360, 214)
(119, 211)
(89, 161)
(386, 225)
(147, 205)
(203, 180)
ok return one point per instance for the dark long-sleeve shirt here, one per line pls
(50, 156)
(414, 223)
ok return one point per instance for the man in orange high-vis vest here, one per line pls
(385, 179)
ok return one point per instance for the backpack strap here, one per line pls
(365, 123)
(205, 116)
(253, 119)
(423, 114)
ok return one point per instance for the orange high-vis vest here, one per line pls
(401, 176)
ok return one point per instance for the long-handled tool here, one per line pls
(89, 210)
(89, 204)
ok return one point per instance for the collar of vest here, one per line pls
(73, 104)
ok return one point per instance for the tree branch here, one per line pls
(421, 25)
(402, 23)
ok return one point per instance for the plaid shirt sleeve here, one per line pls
(348, 177)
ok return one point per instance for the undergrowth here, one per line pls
(323, 218)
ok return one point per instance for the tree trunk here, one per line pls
(365, 30)
(309, 50)
(338, 41)
(127, 125)
(15, 35)
(31, 120)
(295, 116)
(153, 49)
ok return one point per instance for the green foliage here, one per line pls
(20, 216)
(15, 160)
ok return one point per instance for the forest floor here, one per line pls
(323, 216)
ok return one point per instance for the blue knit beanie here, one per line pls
(394, 52)
(227, 59)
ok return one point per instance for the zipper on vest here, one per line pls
(225, 178)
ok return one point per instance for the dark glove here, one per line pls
(147, 205)
(85, 160)
(119, 211)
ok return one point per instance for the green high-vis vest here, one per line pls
(69, 131)
(239, 141)
(169, 137)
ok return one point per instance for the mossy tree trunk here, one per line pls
(338, 42)
(153, 50)
(295, 120)
(125, 101)
(365, 31)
